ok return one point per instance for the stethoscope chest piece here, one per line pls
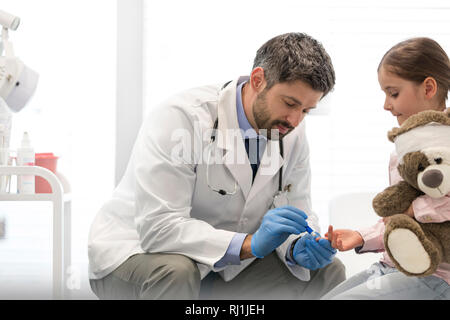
(280, 199)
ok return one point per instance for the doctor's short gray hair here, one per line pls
(296, 56)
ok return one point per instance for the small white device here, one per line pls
(17, 81)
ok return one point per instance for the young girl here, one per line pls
(415, 76)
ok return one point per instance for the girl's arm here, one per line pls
(373, 238)
(363, 240)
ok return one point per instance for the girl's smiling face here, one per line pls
(403, 97)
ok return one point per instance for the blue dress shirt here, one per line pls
(232, 256)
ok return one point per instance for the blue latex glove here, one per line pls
(276, 227)
(311, 254)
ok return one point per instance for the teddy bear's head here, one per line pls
(423, 147)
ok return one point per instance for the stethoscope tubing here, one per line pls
(224, 192)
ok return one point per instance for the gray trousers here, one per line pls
(173, 276)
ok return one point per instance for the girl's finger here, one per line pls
(330, 228)
(329, 235)
(330, 232)
(340, 246)
(334, 242)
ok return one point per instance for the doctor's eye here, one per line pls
(438, 160)
(420, 168)
(290, 105)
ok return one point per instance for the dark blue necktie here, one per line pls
(252, 148)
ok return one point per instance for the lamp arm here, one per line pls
(7, 45)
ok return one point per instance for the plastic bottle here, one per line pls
(25, 157)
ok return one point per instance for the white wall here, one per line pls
(129, 80)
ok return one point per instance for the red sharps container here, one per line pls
(48, 161)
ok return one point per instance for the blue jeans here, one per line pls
(381, 282)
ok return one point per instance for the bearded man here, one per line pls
(215, 202)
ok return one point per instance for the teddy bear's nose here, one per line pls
(432, 178)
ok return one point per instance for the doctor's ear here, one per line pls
(257, 80)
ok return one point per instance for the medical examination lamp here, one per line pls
(17, 81)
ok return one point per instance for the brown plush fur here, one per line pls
(441, 233)
(413, 163)
(418, 120)
(433, 236)
(395, 199)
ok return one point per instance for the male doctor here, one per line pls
(215, 202)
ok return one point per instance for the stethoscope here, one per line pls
(280, 198)
(224, 192)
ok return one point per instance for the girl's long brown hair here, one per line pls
(418, 58)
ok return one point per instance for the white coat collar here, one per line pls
(235, 157)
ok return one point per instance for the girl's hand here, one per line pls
(344, 239)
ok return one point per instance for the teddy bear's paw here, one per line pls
(407, 250)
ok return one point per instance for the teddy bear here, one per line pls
(422, 144)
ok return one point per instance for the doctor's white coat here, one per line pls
(163, 203)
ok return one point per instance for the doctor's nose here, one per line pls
(295, 118)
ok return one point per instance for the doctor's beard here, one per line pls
(264, 122)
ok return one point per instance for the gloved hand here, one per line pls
(276, 227)
(312, 254)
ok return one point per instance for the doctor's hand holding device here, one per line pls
(276, 227)
(309, 250)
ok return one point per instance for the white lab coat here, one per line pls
(163, 204)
